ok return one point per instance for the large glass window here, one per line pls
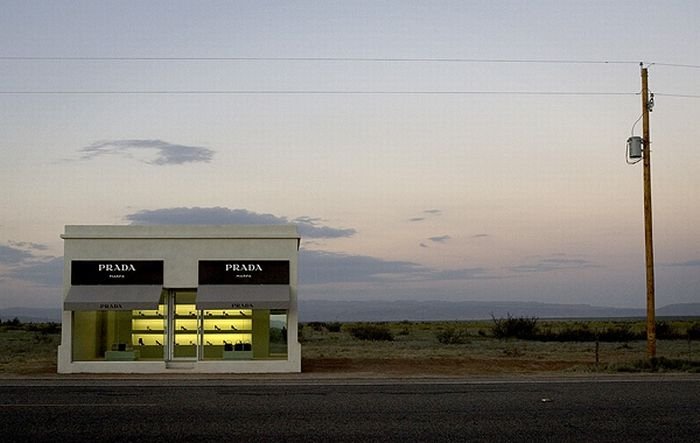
(179, 328)
(278, 333)
(185, 326)
(97, 333)
(119, 335)
(227, 334)
(148, 332)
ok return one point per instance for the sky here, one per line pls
(393, 133)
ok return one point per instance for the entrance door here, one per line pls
(183, 337)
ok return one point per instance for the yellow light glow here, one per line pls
(160, 312)
(186, 339)
(185, 325)
(227, 325)
(222, 339)
(147, 340)
(139, 324)
(186, 310)
(228, 313)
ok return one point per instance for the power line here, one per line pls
(677, 65)
(314, 92)
(349, 59)
(320, 59)
(661, 94)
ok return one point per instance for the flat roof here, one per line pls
(287, 231)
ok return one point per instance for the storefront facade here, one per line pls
(198, 299)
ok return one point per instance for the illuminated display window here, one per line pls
(119, 335)
(148, 332)
(227, 334)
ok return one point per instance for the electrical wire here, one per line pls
(635, 124)
(661, 94)
(319, 59)
(313, 92)
(678, 65)
(348, 59)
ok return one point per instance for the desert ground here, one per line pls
(420, 349)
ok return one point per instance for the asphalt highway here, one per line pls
(642, 409)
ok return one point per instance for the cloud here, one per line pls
(433, 212)
(309, 227)
(24, 265)
(166, 153)
(333, 267)
(10, 255)
(48, 273)
(322, 267)
(553, 264)
(28, 245)
(459, 274)
(439, 238)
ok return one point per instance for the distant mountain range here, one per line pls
(377, 310)
(31, 315)
(383, 310)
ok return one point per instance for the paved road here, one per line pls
(647, 409)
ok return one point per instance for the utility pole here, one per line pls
(647, 103)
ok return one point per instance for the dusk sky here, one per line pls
(444, 150)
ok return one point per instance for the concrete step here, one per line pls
(173, 364)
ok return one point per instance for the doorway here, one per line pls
(183, 330)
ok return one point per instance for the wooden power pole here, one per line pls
(647, 103)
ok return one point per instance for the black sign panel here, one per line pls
(116, 272)
(244, 272)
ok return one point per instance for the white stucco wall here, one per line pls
(181, 248)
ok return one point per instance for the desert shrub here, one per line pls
(666, 331)
(693, 331)
(334, 326)
(621, 332)
(15, 323)
(577, 332)
(514, 327)
(452, 336)
(371, 332)
(43, 328)
(317, 326)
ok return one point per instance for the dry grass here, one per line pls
(28, 352)
(416, 350)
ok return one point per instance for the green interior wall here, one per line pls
(94, 332)
(261, 333)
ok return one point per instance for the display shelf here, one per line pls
(148, 331)
(151, 313)
(222, 339)
(186, 311)
(147, 339)
(228, 313)
(212, 329)
(221, 327)
(227, 324)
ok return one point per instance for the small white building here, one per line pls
(197, 299)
